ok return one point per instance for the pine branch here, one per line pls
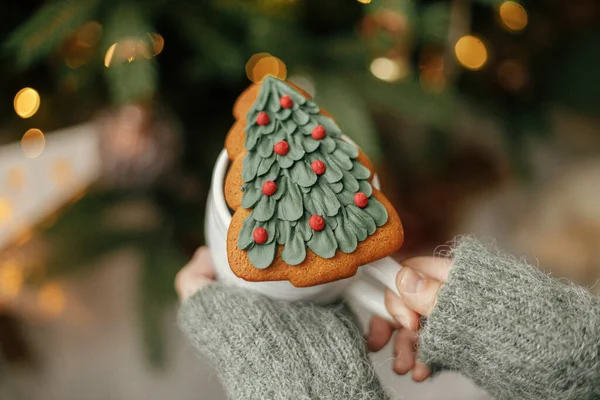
(47, 29)
(132, 82)
(215, 52)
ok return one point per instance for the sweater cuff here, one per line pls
(514, 330)
(265, 348)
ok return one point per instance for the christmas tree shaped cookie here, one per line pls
(304, 206)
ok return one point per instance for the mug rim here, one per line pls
(220, 218)
(218, 187)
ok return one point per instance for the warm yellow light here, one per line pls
(471, 52)
(266, 66)
(33, 143)
(282, 71)
(127, 49)
(158, 42)
(51, 299)
(255, 58)
(364, 1)
(27, 102)
(11, 280)
(62, 172)
(388, 70)
(109, 55)
(513, 16)
(6, 210)
(16, 178)
(130, 48)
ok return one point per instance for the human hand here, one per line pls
(214, 317)
(418, 284)
(196, 274)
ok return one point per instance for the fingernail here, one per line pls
(411, 282)
(404, 321)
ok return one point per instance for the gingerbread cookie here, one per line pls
(304, 207)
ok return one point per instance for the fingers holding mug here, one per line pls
(436, 268)
(196, 274)
(401, 312)
(418, 292)
(420, 280)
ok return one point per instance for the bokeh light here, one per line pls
(11, 280)
(51, 299)
(268, 66)
(62, 172)
(33, 143)
(15, 179)
(110, 53)
(282, 73)
(471, 52)
(261, 65)
(130, 48)
(251, 63)
(388, 70)
(364, 1)
(27, 102)
(127, 49)
(6, 210)
(513, 16)
(158, 42)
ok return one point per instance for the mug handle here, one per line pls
(368, 287)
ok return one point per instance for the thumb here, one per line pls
(417, 292)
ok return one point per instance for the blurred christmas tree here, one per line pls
(170, 71)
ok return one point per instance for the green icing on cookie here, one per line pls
(301, 193)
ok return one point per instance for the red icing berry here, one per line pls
(260, 235)
(317, 223)
(318, 132)
(262, 118)
(361, 199)
(281, 148)
(318, 167)
(269, 188)
(286, 102)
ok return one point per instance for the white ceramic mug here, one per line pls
(366, 288)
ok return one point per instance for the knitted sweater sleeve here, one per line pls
(268, 349)
(514, 330)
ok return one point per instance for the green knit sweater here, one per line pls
(509, 327)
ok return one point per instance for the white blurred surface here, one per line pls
(71, 153)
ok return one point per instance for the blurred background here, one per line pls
(482, 116)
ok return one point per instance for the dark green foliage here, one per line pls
(47, 29)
